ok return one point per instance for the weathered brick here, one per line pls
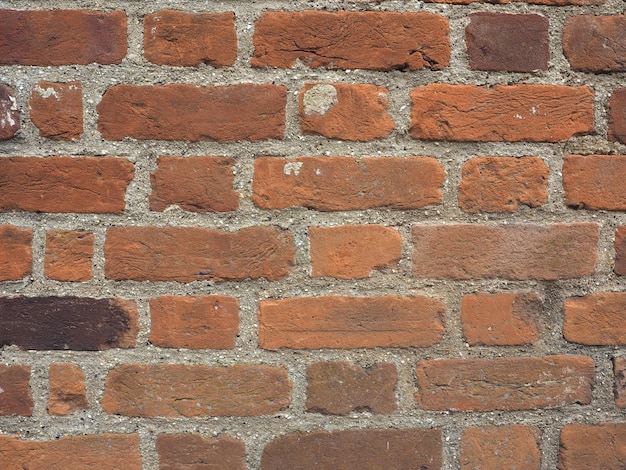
(558, 251)
(619, 385)
(350, 322)
(536, 2)
(352, 40)
(593, 446)
(199, 322)
(507, 113)
(345, 111)
(69, 255)
(67, 389)
(595, 319)
(595, 43)
(193, 452)
(500, 447)
(10, 121)
(186, 254)
(16, 252)
(617, 116)
(620, 250)
(190, 39)
(16, 398)
(176, 390)
(513, 383)
(337, 388)
(595, 181)
(347, 183)
(187, 112)
(57, 110)
(62, 37)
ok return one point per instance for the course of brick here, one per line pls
(337, 235)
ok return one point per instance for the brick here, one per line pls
(199, 322)
(101, 451)
(196, 184)
(337, 388)
(595, 319)
(353, 251)
(187, 254)
(509, 43)
(350, 322)
(190, 39)
(595, 181)
(16, 398)
(69, 255)
(16, 252)
(74, 323)
(187, 112)
(10, 121)
(502, 184)
(507, 384)
(352, 40)
(62, 37)
(64, 184)
(67, 389)
(502, 113)
(558, 251)
(555, 3)
(593, 446)
(346, 183)
(620, 250)
(619, 385)
(410, 449)
(500, 448)
(617, 116)
(57, 110)
(345, 111)
(192, 452)
(595, 43)
(176, 390)
(506, 319)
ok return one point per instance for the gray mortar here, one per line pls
(258, 431)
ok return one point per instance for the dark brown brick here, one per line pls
(193, 452)
(15, 398)
(617, 116)
(595, 43)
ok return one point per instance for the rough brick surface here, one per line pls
(352, 40)
(620, 250)
(510, 43)
(515, 383)
(502, 184)
(593, 446)
(595, 181)
(353, 251)
(500, 448)
(617, 116)
(190, 39)
(9, 113)
(57, 110)
(337, 388)
(69, 255)
(193, 452)
(344, 111)
(507, 113)
(596, 319)
(595, 43)
(558, 251)
(194, 391)
(187, 112)
(350, 322)
(201, 322)
(15, 398)
(410, 449)
(16, 252)
(619, 386)
(67, 389)
(346, 183)
(62, 37)
(536, 2)
(186, 254)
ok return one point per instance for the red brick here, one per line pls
(15, 398)
(506, 319)
(345, 111)
(337, 388)
(502, 113)
(199, 322)
(57, 110)
(101, 451)
(16, 252)
(187, 112)
(620, 250)
(64, 184)
(67, 389)
(352, 40)
(176, 390)
(595, 181)
(62, 37)
(508, 384)
(350, 322)
(558, 251)
(595, 319)
(593, 446)
(595, 43)
(192, 452)
(187, 254)
(555, 3)
(510, 43)
(9, 113)
(502, 184)
(619, 386)
(353, 251)
(500, 447)
(346, 183)
(617, 116)
(190, 39)
(196, 184)
(69, 255)
(407, 449)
